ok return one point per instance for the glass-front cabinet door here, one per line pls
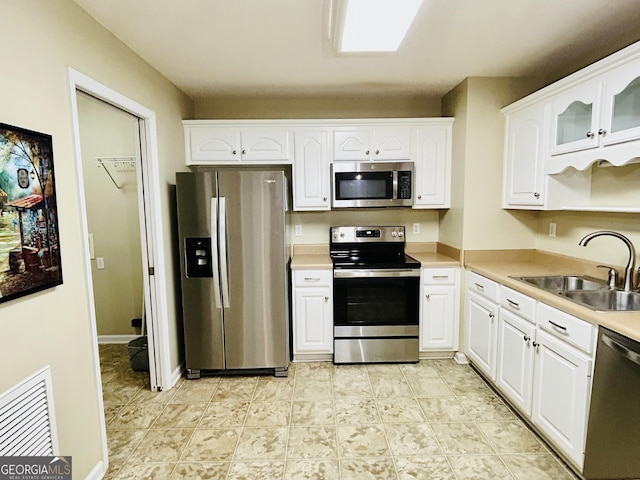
(621, 119)
(576, 115)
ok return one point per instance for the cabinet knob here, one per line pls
(244, 151)
(324, 199)
(326, 299)
(602, 132)
(419, 197)
(527, 338)
(234, 152)
(492, 316)
(367, 152)
(428, 296)
(377, 152)
(590, 134)
(536, 344)
(536, 194)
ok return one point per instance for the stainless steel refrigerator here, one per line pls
(233, 259)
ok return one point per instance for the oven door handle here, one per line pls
(385, 273)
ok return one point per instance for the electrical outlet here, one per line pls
(416, 228)
(298, 230)
(100, 263)
(552, 229)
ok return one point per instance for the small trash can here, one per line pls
(138, 354)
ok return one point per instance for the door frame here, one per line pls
(152, 242)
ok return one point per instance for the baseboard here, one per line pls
(313, 357)
(461, 358)
(106, 339)
(98, 472)
(445, 354)
(176, 375)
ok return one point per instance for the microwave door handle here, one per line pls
(395, 184)
(214, 253)
(224, 264)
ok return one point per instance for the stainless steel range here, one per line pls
(375, 295)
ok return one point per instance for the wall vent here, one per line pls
(27, 420)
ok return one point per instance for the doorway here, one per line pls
(111, 164)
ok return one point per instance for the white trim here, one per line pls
(176, 376)
(98, 472)
(112, 339)
(160, 357)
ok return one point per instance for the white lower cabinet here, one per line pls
(544, 361)
(439, 309)
(561, 392)
(515, 359)
(312, 313)
(482, 333)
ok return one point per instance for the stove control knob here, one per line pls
(401, 233)
(341, 234)
(394, 233)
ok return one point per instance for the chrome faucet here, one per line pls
(629, 270)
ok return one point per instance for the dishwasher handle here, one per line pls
(621, 349)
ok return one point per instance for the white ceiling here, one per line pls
(264, 47)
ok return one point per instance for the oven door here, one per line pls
(375, 298)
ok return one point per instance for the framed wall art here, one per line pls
(29, 240)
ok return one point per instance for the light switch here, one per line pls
(100, 263)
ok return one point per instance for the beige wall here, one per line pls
(454, 104)
(112, 214)
(476, 219)
(42, 39)
(351, 106)
(315, 225)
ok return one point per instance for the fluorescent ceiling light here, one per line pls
(371, 25)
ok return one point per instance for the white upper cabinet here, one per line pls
(524, 157)
(576, 117)
(311, 170)
(432, 185)
(384, 143)
(216, 145)
(621, 114)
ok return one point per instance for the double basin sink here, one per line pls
(587, 291)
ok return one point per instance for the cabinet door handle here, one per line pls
(311, 279)
(514, 304)
(590, 134)
(602, 132)
(479, 286)
(557, 325)
(440, 277)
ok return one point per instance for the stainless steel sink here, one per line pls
(557, 283)
(587, 291)
(605, 300)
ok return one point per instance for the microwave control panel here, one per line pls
(404, 184)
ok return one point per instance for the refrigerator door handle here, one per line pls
(224, 270)
(214, 253)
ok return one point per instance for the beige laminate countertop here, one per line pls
(316, 257)
(501, 265)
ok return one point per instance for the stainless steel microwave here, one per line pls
(371, 184)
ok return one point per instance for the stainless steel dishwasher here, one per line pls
(613, 432)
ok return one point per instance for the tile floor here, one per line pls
(432, 420)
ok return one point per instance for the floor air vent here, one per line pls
(27, 422)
